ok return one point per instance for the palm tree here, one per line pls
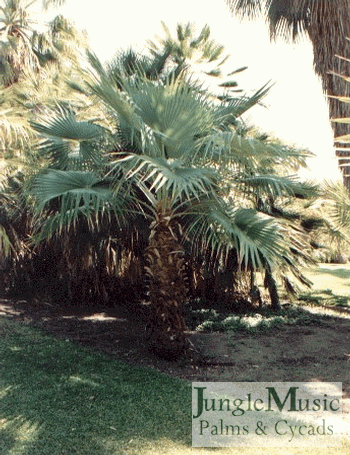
(56, 53)
(16, 50)
(327, 24)
(16, 27)
(62, 44)
(188, 50)
(171, 57)
(174, 156)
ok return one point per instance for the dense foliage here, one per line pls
(135, 181)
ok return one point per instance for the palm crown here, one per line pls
(167, 151)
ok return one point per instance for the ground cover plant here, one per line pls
(254, 323)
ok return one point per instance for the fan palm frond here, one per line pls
(279, 186)
(68, 142)
(232, 147)
(177, 180)
(338, 197)
(257, 238)
(78, 195)
(236, 107)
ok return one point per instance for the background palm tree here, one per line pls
(16, 26)
(327, 24)
(16, 51)
(56, 51)
(190, 50)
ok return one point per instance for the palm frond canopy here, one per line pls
(171, 117)
(174, 145)
(179, 181)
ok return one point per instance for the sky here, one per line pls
(296, 110)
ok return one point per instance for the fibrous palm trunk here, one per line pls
(329, 30)
(327, 23)
(271, 286)
(167, 286)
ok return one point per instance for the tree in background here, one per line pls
(57, 52)
(16, 27)
(190, 51)
(327, 24)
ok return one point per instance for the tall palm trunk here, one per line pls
(327, 23)
(167, 286)
(329, 31)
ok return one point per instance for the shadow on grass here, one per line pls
(339, 272)
(59, 398)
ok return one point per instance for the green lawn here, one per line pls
(331, 285)
(57, 398)
(331, 276)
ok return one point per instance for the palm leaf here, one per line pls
(174, 113)
(278, 186)
(177, 180)
(255, 237)
(65, 126)
(79, 194)
(68, 142)
(239, 106)
(231, 147)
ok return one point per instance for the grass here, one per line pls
(57, 398)
(331, 286)
(61, 399)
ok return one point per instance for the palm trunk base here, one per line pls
(167, 288)
(167, 337)
(168, 346)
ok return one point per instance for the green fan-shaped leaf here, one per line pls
(57, 183)
(65, 126)
(275, 185)
(257, 238)
(71, 144)
(173, 113)
(79, 194)
(178, 180)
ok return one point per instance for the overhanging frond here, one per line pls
(278, 186)
(256, 238)
(65, 126)
(64, 197)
